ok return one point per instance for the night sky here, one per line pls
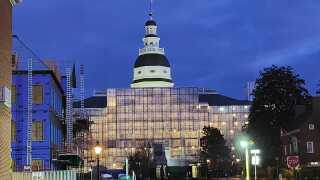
(218, 44)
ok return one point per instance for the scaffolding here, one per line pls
(27, 61)
(69, 122)
(168, 120)
(82, 91)
(29, 116)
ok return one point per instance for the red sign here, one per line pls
(293, 161)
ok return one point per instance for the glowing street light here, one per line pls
(97, 150)
(245, 144)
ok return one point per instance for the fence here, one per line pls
(45, 175)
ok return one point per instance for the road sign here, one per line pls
(293, 161)
(255, 160)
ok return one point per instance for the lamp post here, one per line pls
(245, 144)
(97, 150)
(208, 164)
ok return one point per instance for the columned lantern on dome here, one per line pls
(152, 68)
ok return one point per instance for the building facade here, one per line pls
(126, 120)
(5, 86)
(47, 117)
(303, 141)
(154, 114)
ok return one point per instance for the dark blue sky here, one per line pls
(218, 44)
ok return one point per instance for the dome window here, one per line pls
(139, 72)
(152, 71)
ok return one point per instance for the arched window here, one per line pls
(294, 142)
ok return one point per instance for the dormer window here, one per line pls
(311, 126)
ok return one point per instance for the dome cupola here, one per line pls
(152, 68)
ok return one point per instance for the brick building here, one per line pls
(5, 86)
(304, 140)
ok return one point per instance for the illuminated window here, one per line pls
(37, 130)
(37, 164)
(13, 131)
(310, 147)
(13, 94)
(37, 92)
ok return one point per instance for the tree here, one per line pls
(278, 91)
(214, 149)
(141, 163)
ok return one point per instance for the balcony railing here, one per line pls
(151, 50)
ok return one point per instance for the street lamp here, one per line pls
(97, 150)
(208, 163)
(245, 144)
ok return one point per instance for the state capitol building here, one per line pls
(155, 114)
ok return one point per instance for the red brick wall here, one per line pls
(5, 80)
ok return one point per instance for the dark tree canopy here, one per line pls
(278, 91)
(214, 148)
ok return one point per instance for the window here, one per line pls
(152, 71)
(37, 92)
(311, 126)
(310, 147)
(13, 94)
(37, 130)
(285, 150)
(165, 71)
(37, 165)
(13, 165)
(13, 131)
(139, 72)
(290, 148)
(294, 142)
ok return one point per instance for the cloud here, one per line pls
(296, 53)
